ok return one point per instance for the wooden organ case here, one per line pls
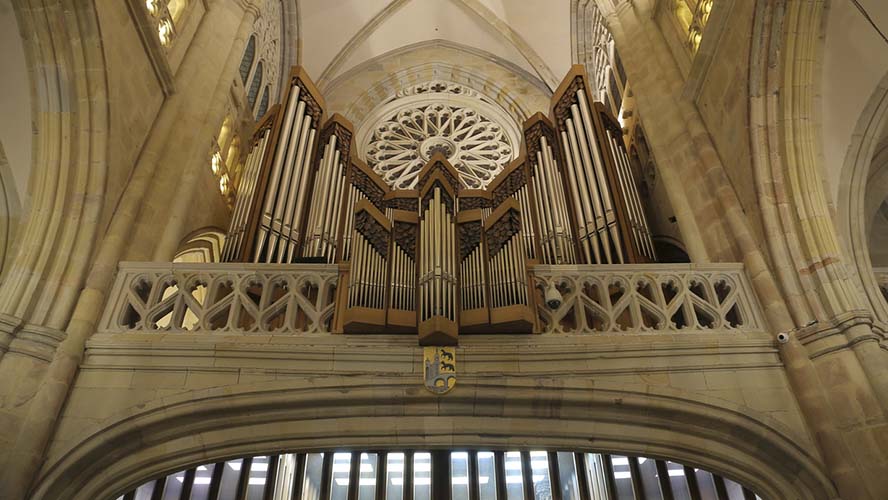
(440, 259)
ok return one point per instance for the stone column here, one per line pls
(23, 458)
(206, 123)
(658, 83)
(872, 358)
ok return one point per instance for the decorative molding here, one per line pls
(38, 342)
(835, 334)
(9, 326)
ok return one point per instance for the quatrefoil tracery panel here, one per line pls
(478, 140)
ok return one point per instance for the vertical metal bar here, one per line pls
(721, 491)
(216, 481)
(271, 477)
(381, 470)
(354, 473)
(583, 484)
(611, 483)
(527, 475)
(693, 485)
(408, 476)
(157, 492)
(294, 199)
(440, 476)
(298, 478)
(187, 484)
(663, 477)
(554, 476)
(244, 480)
(474, 480)
(499, 464)
(299, 209)
(326, 476)
(635, 472)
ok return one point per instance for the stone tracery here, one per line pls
(459, 125)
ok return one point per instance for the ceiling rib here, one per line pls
(360, 37)
(506, 31)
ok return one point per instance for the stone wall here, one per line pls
(723, 102)
(718, 376)
(131, 79)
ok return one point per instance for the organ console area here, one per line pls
(440, 259)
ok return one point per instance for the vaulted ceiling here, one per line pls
(855, 61)
(338, 35)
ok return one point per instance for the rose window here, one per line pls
(469, 135)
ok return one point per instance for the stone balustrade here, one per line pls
(223, 298)
(300, 298)
(646, 298)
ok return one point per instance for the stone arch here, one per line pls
(70, 112)
(363, 88)
(851, 209)
(10, 212)
(202, 245)
(213, 424)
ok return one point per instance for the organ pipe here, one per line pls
(441, 259)
(608, 215)
(265, 226)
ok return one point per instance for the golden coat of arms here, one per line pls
(440, 368)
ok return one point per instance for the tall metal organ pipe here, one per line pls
(440, 258)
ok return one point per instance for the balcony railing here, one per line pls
(646, 298)
(222, 298)
(300, 298)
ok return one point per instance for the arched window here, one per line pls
(254, 86)
(263, 104)
(247, 62)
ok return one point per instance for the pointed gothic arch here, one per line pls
(196, 427)
(246, 64)
(856, 173)
(255, 83)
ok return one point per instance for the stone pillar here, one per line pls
(23, 458)
(658, 85)
(206, 123)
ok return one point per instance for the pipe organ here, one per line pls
(440, 259)
(599, 177)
